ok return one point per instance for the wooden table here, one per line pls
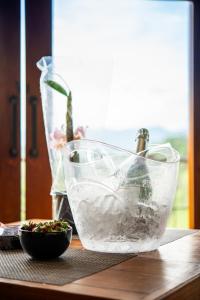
(172, 272)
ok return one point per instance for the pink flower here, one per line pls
(57, 139)
(79, 133)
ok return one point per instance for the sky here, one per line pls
(126, 62)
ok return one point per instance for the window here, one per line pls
(127, 63)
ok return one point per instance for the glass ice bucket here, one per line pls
(120, 200)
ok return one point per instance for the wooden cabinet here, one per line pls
(9, 110)
(38, 176)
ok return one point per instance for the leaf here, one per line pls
(56, 86)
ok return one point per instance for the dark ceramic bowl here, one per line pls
(45, 245)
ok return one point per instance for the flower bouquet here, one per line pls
(58, 121)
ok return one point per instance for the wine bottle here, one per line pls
(138, 172)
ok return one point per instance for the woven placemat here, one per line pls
(72, 265)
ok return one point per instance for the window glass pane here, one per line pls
(127, 64)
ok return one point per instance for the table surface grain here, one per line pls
(171, 272)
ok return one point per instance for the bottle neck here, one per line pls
(141, 145)
(142, 141)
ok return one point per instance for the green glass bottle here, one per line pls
(138, 173)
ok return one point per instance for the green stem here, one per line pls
(69, 120)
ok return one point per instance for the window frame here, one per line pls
(194, 132)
